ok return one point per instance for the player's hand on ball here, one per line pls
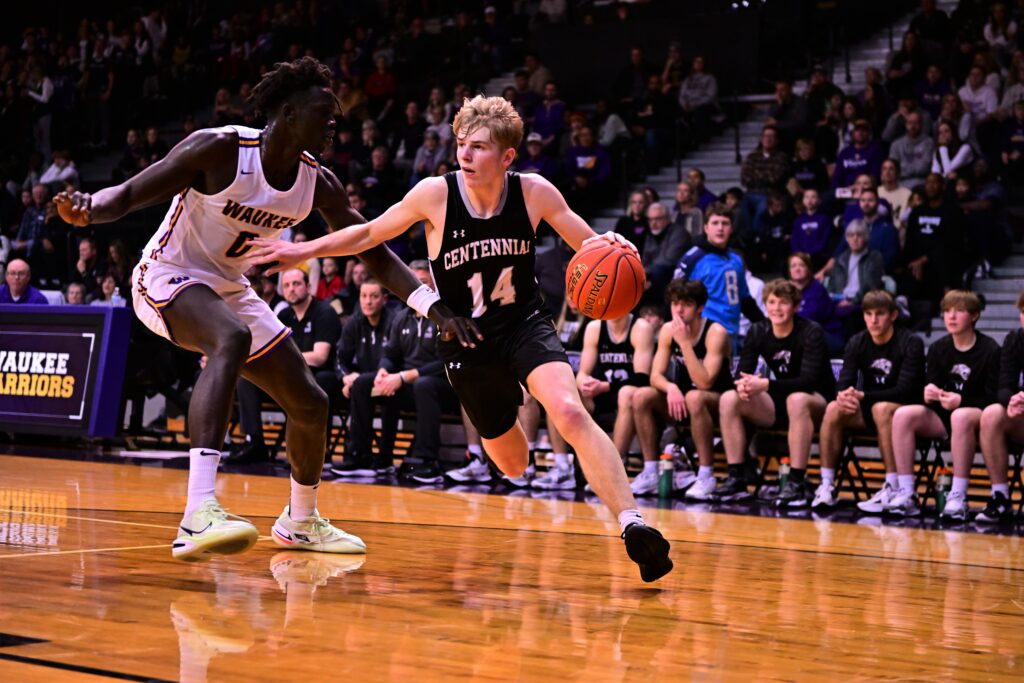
(74, 208)
(280, 254)
(611, 238)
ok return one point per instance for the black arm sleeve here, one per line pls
(751, 311)
(1009, 367)
(815, 354)
(935, 367)
(848, 373)
(347, 346)
(910, 381)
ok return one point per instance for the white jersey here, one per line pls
(209, 233)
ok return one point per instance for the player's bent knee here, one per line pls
(993, 416)
(570, 417)
(644, 398)
(233, 343)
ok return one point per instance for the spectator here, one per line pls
(589, 170)
(611, 129)
(802, 383)
(863, 156)
(896, 126)
(32, 241)
(652, 120)
(812, 230)
(549, 117)
(133, 159)
(914, 150)
(932, 90)
(765, 169)
(526, 99)
(807, 169)
(61, 172)
(539, 75)
(380, 89)
(1012, 153)
(90, 268)
(768, 243)
(633, 225)
(1000, 32)
(331, 281)
(98, 83)
(410, 375)
(815, 302)
(632, 80)
(858, 270)
(932, 25)
(686, 213)
(951, 155)
(698, 99)
(19, 289)
(894, 192)
(953, 111)
(535, 161)
(705, 197)
(932, 257)
(155, 148)
(1013, 92)
(962, 378)
(788, 114)
(76, 294)
(983, 205)
(883, 236)
(428, 156)
(494, 41)
(672, 72)
(108, 293)
(39, 89)
(905, 66)
(664, 246)
(120, 264)
(982, 103)
(315, 331)
(380, 181)
(355, 274)
(874, 108)
(821, 91)
(408, 136)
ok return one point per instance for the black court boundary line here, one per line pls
(809, 551)
(35, 661)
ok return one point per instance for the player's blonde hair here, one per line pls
(963, 299)
(493, 113)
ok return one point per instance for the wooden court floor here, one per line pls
(460, 586)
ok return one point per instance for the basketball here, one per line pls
(605, 281)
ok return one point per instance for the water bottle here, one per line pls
(941, 486)
(783, 473)
(665, 475)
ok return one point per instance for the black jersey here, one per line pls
(485, 268)
(721, 383)
(892, 372)
(1011, 366)
(614, 358)
(974, 373)
(799, 361)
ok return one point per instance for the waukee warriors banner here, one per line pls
(61, 369)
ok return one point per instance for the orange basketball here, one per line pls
(605, 281)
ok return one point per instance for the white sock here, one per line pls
(705, 472)
(476, 450)
(893, 480)
(202, 477)
(828, 474)
(650, 466)
(960, 484)
(562, 461)
(531, 445)
(1001, 488)
(627, 517)
(303, 500)
(906, 482)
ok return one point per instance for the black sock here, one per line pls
(797, 474)
(736, 471)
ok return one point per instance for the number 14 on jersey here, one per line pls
(504, 292)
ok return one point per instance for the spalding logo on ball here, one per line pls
(605, 281)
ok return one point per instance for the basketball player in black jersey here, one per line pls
(689, 374)
(300, 109)
(481, 223)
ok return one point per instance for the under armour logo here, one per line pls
(455, 366)
(459, 233)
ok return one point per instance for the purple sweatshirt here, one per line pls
(852, 162)
(810, 233)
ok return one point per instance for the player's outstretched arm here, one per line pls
(153, 185)
(545, 202)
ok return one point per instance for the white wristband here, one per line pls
(422, 299)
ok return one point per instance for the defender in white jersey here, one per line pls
(228, 186)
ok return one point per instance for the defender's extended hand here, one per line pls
(74, 208)
(281, 254)
(451, 326)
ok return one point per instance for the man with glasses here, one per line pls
(664, 246)
(18, 289)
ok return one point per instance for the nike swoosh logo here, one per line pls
(247, 172)
(196, 533)
(286, 536)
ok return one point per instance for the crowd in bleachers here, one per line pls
(904, 187)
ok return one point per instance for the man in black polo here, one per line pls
(315, 330)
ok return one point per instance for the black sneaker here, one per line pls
(249, 454)
(792, 495)
(354, 466)
(996, 510)
(427, 473)
(648, 548)
(383, 466)
(732, 490)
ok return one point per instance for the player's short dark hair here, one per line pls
(782, 289)
(878, 300)
(687, 291)
(716, 209)
(286, 79)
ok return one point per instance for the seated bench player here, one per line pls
(883, 368)
(689, 374)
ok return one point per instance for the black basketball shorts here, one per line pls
(487, 378)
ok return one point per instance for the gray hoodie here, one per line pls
(915, 156)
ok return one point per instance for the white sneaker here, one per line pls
(682, 476)
(314, 570)
(314, 533)
(702, 489)
(824, 495)
(476, 471)
(523, 480)
(212, 531)
(903, 504)
(556, 479)
(956, 506)
(878, 502)
(645, 484)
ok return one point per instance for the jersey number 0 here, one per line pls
(504, 293)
